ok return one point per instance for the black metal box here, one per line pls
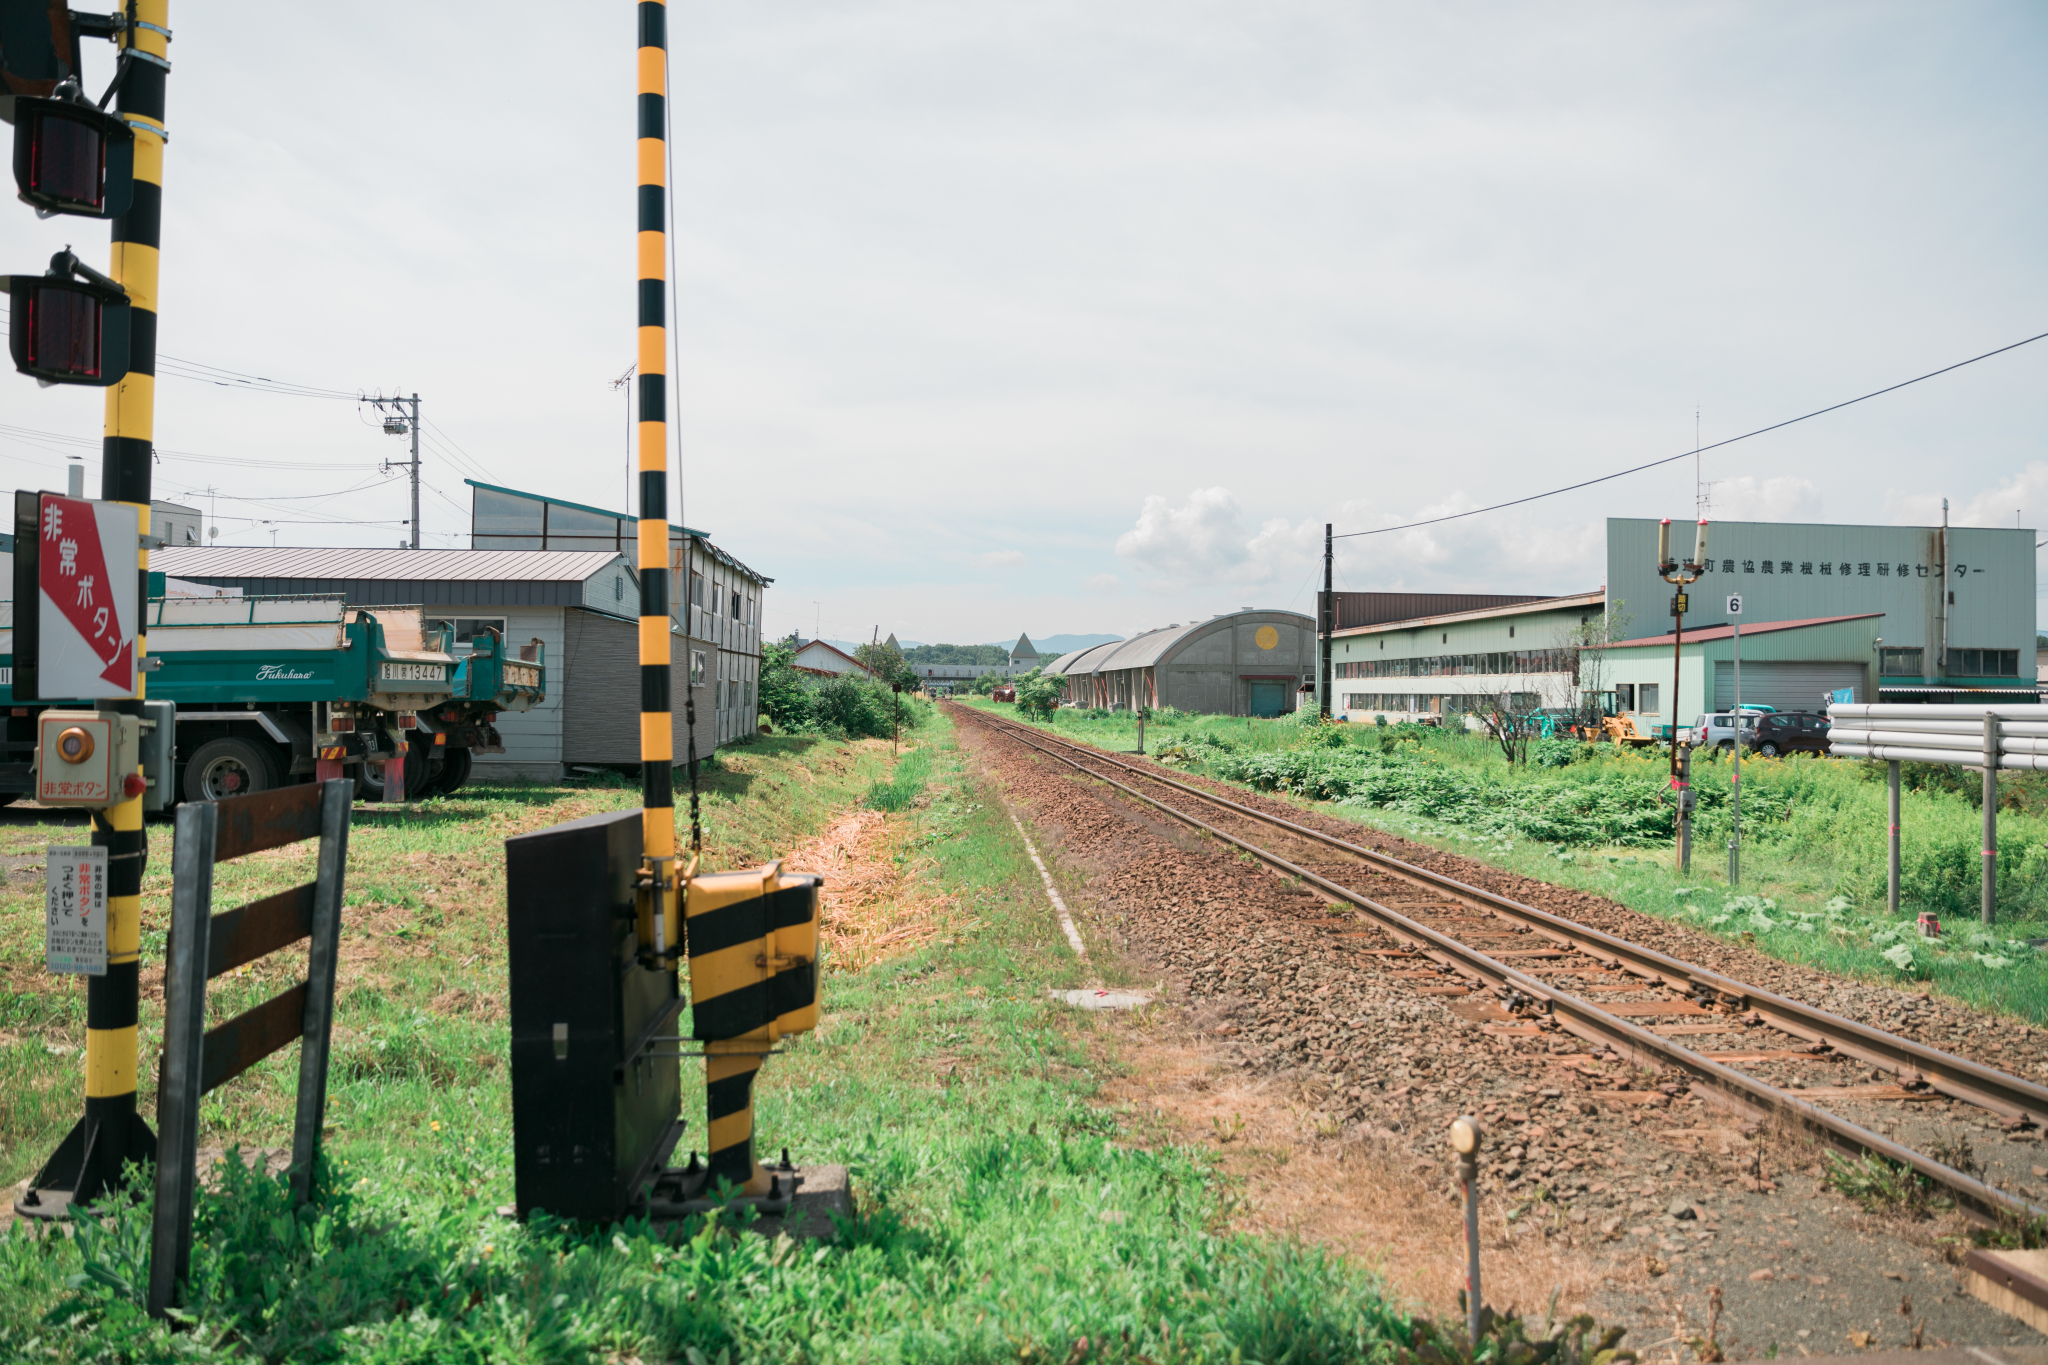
(596, 1099)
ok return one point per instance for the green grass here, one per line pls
(1003, 1216)
(1813, 858)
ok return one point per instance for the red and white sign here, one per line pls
(88, 617)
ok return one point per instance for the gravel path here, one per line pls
(1675, 1191)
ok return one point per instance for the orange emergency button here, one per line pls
(74, 745)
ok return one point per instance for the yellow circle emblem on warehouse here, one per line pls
(1268, 638)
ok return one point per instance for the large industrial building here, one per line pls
(1897, 613)
(1456, 653)
(1243, 663)
(1958, 602)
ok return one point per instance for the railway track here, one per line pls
(1523, 969)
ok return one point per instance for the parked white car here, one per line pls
(1716, 730)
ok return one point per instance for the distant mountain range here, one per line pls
(1052, 646)
(1049, 646)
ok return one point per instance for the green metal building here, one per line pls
(1789, 665)
(1958, 602)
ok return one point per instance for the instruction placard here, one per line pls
(75, 910)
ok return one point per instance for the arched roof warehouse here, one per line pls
(1240, 663)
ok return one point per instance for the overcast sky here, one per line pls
(1077, 317)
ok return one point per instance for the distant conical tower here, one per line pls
(891, 642)
(1023, 652)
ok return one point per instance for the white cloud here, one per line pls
(1201, 540)
(1752, 499)
(2024, 494)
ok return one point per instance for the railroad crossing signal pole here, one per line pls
(1328, 624)
(1681, 576)
(660, 910)
(111, 1134)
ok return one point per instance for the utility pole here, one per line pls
(1328, 623)
(399, 426)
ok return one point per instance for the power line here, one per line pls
(1687, 454)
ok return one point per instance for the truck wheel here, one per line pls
(370, 777)
(228, 767)
(455, 764)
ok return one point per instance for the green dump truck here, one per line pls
(271, 691)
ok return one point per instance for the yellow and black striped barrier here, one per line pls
(753, 947)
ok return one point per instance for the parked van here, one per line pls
(1716, 730)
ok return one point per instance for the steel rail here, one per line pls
(1914, 1063)
(1722, 1085)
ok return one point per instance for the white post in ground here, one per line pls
(1465, 1138)
(1892, 875)
(1990, 909)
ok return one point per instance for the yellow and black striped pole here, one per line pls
(660, 917)
(91, 1157)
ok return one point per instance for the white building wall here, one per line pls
(533, 739)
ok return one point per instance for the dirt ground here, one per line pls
(1326, 1082)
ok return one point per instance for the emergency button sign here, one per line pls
(88, 615)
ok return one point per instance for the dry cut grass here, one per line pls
(877, 902)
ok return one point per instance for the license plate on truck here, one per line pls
(522, 677)
(390, 672)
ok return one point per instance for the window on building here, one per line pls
(696, 668)
(1901, 662)
(467, 628)
(1983, 663)
(1624, 696)
(735, 605)
(696, 589)
(1646, 698)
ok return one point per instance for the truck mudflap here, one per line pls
(449, 729)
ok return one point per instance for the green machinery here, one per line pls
(271, 691)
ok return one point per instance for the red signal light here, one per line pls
(134, 784)
(68, 331)
(64, 332)
(72, 158)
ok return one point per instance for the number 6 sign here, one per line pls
(1735, 604)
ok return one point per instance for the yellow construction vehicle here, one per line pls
(1622, 730)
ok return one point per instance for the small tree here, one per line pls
(1039, 693)
(1586, 656)
(786, 697)
(1509, 719)
(984, 684)
(886, 665)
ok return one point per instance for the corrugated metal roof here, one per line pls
(411, 566)
(1378, 608)
(1146, 650)
(1060, 664)
(1596, 598)
(1706, 634)
(1084, 660)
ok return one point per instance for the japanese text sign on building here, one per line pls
(88, 611)
(75, 910)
